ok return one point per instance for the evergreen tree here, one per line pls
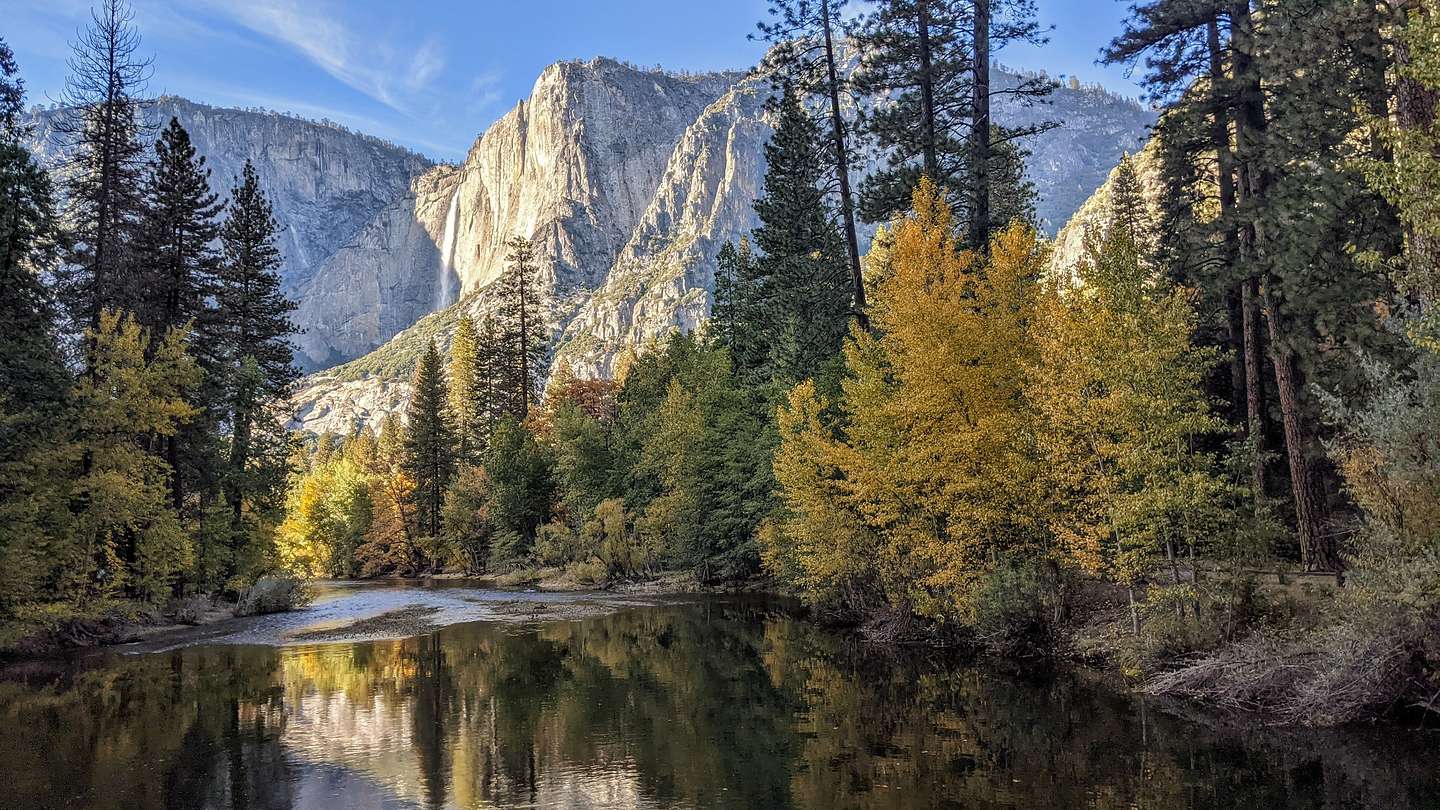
(804, 59)
(734, 266)
(466, 392)
(520, 328)
(429, 442)
(795, 305)
(490, 379)
(102, 128)
(1304, 230)
(33, 379)
(176, 236)
(520, 472)
(178, 231)
(927, 56)
(12, 95)
(253, 326)
(35, 408)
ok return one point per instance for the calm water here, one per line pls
(701, 704)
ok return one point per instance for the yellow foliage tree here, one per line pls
(1123, 420)
(130, 539)
(926, 475)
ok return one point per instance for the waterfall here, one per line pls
(444, 291)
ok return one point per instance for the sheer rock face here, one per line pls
(324, 182)
(630, 180)
(1069, 245)
(574, 167)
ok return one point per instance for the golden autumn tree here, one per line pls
(1123, 422)
(927, 472)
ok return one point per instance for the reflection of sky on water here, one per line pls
(702, 703)
(340, 604)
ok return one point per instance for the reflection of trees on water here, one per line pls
(702, 705)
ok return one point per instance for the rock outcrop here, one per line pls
(326, 183)
(574, 167)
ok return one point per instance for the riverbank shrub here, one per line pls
(276, 593)
(1021, 608)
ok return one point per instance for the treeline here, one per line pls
(666, 467)
(145, 352)
(938, 437)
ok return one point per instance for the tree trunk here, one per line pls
(1415, 108)
(177, 486)
(1250, 186)
(1225, 182)
(927, 90)
(980, 131)
(842, 170)
(1254, 392)
(524, 344)
(1317, 552)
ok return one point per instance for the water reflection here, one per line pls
(711, 704)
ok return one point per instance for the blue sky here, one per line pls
(432, 74)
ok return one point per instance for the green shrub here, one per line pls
(1019, 608)
(555, 544)
(588, 573)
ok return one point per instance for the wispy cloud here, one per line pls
(484, 91)
(392, 73)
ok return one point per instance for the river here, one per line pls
(597, 701)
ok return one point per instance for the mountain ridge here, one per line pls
(629, 178)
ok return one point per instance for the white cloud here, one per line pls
(484, 91)
(390, 73)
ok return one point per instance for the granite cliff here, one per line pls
(629, 179)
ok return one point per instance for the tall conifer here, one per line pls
(800, 291)
(176, 238)
(102, 126)
(807, 59)
(253, 325)
(429, 456)
(466, 392)
(520, 326)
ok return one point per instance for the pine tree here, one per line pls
(466, 392)
(733, 266)
(176, 236)
(804, 59)
(36, 414)
(177, 233)
(33, 379)
(12, 95)
(102, 128)
(519, 470)
(926, 55)
(1304, 230)
(489, 380)
(800, 290)
(520, 328)
(429, 442)
(253, 327)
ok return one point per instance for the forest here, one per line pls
(1205, 452)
